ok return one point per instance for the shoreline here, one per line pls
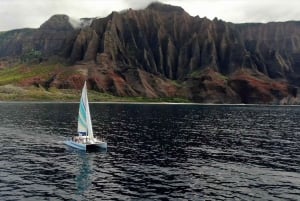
(140, 103)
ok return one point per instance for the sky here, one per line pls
(16, 14)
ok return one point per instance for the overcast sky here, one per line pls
(32, 13)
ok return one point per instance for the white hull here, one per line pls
(88, 146)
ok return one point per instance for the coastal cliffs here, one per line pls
(162, 51)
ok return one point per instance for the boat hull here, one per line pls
(86, 147)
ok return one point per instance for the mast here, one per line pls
(88, 115)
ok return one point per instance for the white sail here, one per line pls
(86, 140)
(84, 118)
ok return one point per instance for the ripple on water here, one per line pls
(156, 152)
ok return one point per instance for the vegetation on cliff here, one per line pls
(23, 83)
(158, 52)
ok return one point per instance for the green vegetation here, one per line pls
(14, 86)
(156, 100)
(14, 75)
(177, 83)
(200, 73)
(7, 36)
(195, 74)
(32, 56)
(14, 93)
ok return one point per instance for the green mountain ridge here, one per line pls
(160, 52)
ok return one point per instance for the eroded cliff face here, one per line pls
(162, 51)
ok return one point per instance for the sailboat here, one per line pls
(85, 139)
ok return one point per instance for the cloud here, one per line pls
(239, 11)
(25, 13)
(137, 4)
(268, 11)
(14, 14)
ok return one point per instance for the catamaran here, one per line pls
(85, 139)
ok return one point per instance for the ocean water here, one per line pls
(155, 152)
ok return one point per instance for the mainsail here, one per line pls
(84, 117)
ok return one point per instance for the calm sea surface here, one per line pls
(156, 152)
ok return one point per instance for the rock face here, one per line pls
(162, 51)
(54, 38)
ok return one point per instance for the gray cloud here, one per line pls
(268, 11)
(258, 10)
(138, 4)
(18, 14)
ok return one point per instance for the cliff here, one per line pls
(162, 51)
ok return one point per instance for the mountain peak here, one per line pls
(58, 22)
(158, 6)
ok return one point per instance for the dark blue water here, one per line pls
(156, 152)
